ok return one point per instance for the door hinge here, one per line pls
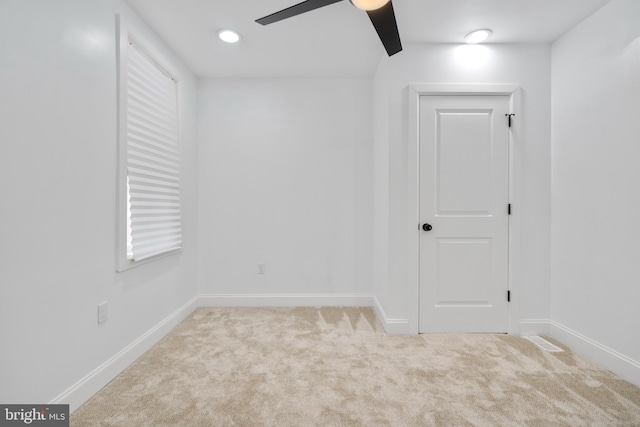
(509, 209)
(508, 296)
(509, 116)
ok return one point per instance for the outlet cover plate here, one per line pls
(103, 312)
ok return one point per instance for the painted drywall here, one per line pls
(525, 65)
(595, 203)
(285, 178)
(58, 185)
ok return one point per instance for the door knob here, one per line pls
(427, 227)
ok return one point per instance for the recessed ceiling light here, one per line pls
(228, 36)
(477, 36)
(369, 4)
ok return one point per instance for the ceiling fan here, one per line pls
(380, 12)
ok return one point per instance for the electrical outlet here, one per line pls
(261, 268)
(103, 312)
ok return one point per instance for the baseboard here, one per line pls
(84, 389)
(533, 327)
(618, 363)
(286, 300)
(391, 326)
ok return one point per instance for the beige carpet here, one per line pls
(336, 367)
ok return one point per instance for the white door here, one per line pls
(464, 196)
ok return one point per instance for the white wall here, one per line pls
(285, 178)
(595, 274)
(58, 186)
(525, 65)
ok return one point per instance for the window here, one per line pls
(149, 223)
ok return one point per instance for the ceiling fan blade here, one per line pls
(384, 21)
(305, 6)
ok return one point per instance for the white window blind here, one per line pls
(152, 156)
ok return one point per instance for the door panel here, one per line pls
(464, 169)
(463, 287)
(463, 164)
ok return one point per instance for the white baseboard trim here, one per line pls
(528, 327)
(84, 389)
(286, 300)
(391, 326)
(618, 363)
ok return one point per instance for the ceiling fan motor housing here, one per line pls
(368, 4)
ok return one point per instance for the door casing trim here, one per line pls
(417, 90)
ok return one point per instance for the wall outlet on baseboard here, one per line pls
(103, 312)
(262, 268)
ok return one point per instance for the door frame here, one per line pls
(413, 191)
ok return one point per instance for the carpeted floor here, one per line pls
(336, 367)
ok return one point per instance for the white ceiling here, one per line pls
(339, 40)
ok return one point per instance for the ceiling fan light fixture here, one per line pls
(228, 36)
(477, 36)
(369, 5)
